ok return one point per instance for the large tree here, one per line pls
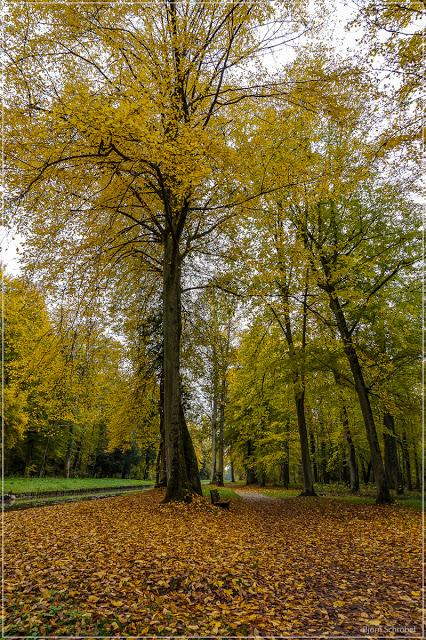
(122, 135)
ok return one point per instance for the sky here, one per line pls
(341, 12)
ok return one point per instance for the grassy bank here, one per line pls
(18, 484)
(409, 499)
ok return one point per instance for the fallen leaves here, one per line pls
(132, 566)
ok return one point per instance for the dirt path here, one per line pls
(254, 496)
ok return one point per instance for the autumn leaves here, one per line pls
(130, 566)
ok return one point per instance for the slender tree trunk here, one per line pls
(77, 459)
(308, 479)
(219, 475)
(383, 494)
(417, 466)
(285, 465)
(406, 459)
(313, 454)
(353, 466)
(182, 471)
(69, 451)
(392, 469)
(365, 472)
(250, 470)
(296, 365)
(214, 423)
(43, 462)
(232, 468)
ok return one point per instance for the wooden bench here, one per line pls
(216, 500)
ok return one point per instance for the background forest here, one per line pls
(289, 186)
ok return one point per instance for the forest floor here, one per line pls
(130, 565)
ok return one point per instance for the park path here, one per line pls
(254, 496)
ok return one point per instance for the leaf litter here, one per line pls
(132, 566)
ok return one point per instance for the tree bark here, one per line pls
(69, 451)
(313, 455)
(285, 465)
(181, 465)
(406, 459)
(250, 470)
(392, 469)
(353, 466)
(365, 472)
(232, 469)
(219, 475)
(161, 473)
(43, 462)
(417, 466)
(383, 495)
(214, 419)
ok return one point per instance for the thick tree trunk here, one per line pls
(392, 469)
(232, 469)
(160, 473)
(383, 494)
(182, 470)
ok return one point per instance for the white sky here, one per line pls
(344, 42)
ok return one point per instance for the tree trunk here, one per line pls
(182, 470)
(406, 459)
(285, 465)
(383, 496)
(219, 475)
(232, 469)
(250, 470)
(214, 424)
(69, 451)
(365, 472)
(161, 474)
(313, 455)
(353, 466)
(392, 469)
(308, 480)
(43, 462)
(417, 466)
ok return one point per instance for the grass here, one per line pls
(340, 493)
(18, 484)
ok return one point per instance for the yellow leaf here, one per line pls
(338, 603)
(117, 603)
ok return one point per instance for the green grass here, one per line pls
(31, 485)
(413, 500)
(224, 492)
